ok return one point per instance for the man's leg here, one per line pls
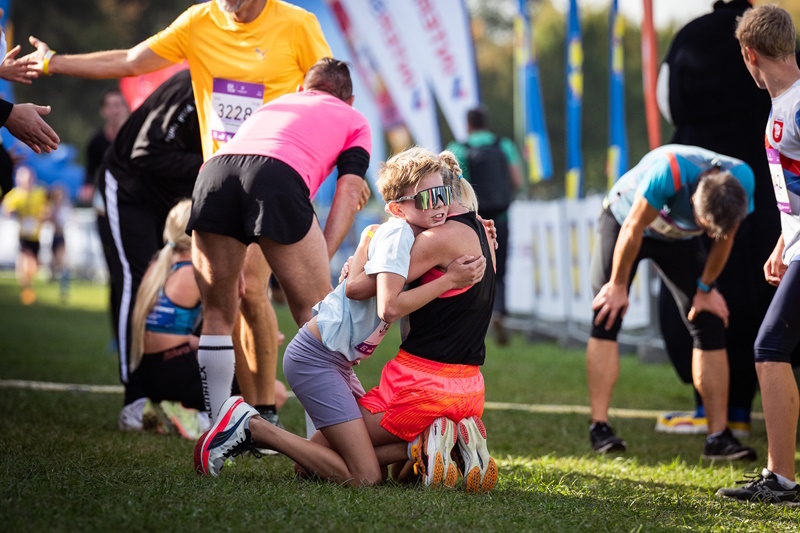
(131, 235)
(602, 350)
(218, 262)
(710, 376)
(602, 370)
(777, 339)
(779, 397)
(303, 270)
(257, 342)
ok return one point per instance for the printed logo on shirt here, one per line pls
(777, 130)
(261, 54)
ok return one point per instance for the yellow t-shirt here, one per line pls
(30, 207)
(237, 67)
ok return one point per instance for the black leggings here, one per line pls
(172, 375)
(680, 264)
(780, 330)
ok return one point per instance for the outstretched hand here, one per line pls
(17, 70)
(36, 58)
(26, 124)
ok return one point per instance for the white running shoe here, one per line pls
(431, 454)
(130, 417)
(228, 438)
(480, 470)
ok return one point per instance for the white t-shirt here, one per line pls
(783, 154)
(352, 327)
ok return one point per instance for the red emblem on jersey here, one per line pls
(777, 130)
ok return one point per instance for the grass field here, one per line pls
(64, 465)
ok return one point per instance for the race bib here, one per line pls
(233, 101)
(778, 180)
(665, 226)
(368, 346)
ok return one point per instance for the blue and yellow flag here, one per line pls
(574, 178)
(537, 143)
(617, 162)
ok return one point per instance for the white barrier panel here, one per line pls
(548, 273)
(551, 261)
(581, 226)
(523, 279)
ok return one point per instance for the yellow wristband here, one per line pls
(46, 62)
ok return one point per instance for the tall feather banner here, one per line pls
(574, 177)
(617, 163)
(537, 143)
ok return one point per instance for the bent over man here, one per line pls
(658, 210)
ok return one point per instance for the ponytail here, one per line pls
(175, 240)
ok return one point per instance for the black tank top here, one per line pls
(453, 330)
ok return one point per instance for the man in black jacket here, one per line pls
(152, 164)
(729, 122)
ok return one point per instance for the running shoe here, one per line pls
(229, 437)
(685, 423)
(130, 416)
(682, 423)
(740, 430)
(182, 420)
(763, 488)
(604, 440)
(480, 470)
(153, 418)
(431, 454)
(726, 447)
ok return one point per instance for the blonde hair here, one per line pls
(768, 30)
(452, 176)
(175, 240)
(406, 169)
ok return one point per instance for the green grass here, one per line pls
(64, 466)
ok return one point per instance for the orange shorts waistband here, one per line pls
(435, 367)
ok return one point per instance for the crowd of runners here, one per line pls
(251, 130)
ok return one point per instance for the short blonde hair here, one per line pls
(406, 169)
(767, 29)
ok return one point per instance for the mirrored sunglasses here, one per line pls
(428, 199)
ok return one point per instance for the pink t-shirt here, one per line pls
(306, 130)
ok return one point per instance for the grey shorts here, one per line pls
(322, 380)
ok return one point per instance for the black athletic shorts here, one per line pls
(26, 245)
(251, 196)
(680, 263)
(172, 375)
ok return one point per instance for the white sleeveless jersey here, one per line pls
(782, 142)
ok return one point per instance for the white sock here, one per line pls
(787, 484)
(216, 360)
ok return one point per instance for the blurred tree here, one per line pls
(79, 26)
